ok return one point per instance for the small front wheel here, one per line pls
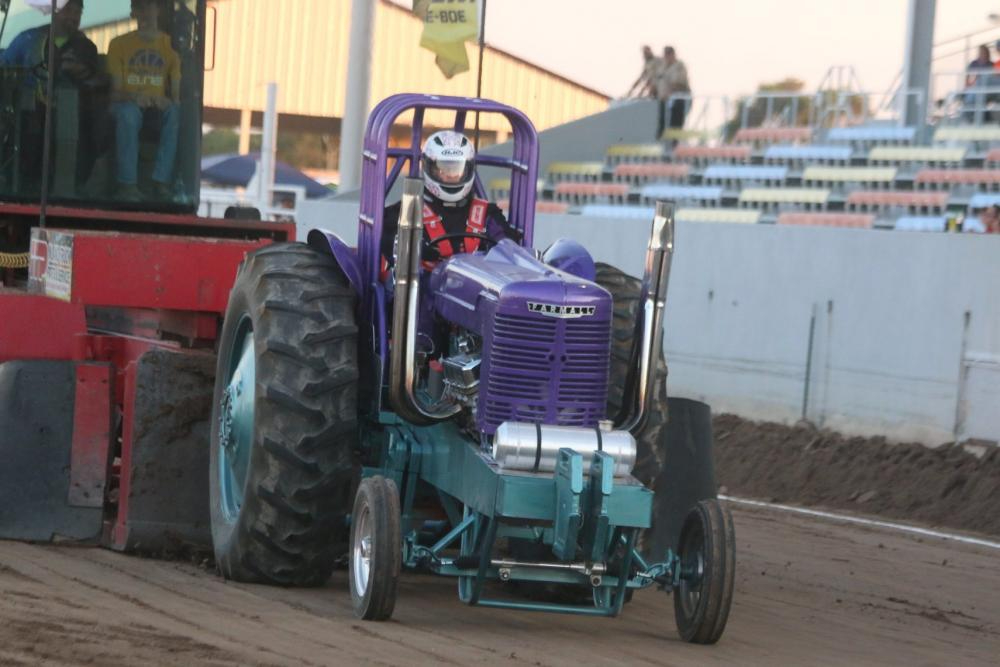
(376, 549)
(704, 592)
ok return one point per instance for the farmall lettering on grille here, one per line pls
(556, 310)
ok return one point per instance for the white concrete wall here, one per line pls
(892, 351)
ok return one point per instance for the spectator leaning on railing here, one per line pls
(645, 85)
(672, 79)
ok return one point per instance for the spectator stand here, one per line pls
(897, 203)
(635, 153)
(920, 223)
(645, 172)
(980, 201)
(851, 220)
(541, 206)
(778, 200)
(579, 172)
(700, 195)
(764, 136)
(676, 135)
(992, 159)
(913, 158)
(978, 139)
(624, 212)
(715, 215)
(844, 180)
(576, 193)
(862, 138)
(701, 156)
(798, 156)
(735, 177)
(961, 183)
(499, 188)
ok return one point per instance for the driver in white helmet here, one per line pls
(450, 207)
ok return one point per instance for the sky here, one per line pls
(729, 46)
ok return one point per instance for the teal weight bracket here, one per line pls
(568, 477)
(597, 526)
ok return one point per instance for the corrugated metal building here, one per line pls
(303, 46)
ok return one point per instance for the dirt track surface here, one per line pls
(808, 591)
(944, 486)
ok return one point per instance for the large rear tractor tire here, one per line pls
(284, 426)
(626, 291)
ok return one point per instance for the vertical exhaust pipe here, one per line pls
(405, 308)
(649, 329)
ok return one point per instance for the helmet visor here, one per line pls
(449, 171)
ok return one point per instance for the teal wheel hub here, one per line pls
(236, 422)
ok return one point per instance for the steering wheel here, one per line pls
(463, 235)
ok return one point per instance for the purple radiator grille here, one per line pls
(545, 370)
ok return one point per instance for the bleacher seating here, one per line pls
(967, 134)
(679, 134)
(927, 156)
(634, 153)
(808, 153)
(644, 172)
(912, 202)
(920, 223)
(705, 195)
(704, 154)
(773, 135)
(735, 175)
(982, 200)
(541, 206)
(731, 215)
(575, 171)
(499, 188)
(779, 199)
(983, 179)
(864, 177)
(865, 136)
(578, 193)
(856, 220)
(849, 178)
(608, 211)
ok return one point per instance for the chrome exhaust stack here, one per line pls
(649, 328)
(405, 308)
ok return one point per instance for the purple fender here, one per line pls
(569, 256)
(346, 256)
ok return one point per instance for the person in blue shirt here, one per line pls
(76, 65)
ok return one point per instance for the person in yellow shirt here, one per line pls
(146, 79)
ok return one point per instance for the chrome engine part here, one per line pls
(522, 446)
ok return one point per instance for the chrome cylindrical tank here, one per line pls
(521, 446)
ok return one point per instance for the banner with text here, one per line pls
(447, 26)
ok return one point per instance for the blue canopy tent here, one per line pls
(236, 170)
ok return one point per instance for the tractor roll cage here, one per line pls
(379, 178)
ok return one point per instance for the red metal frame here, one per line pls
(130, 293)
(59, 216)
(92, 435)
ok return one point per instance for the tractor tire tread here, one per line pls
(626, 291)
(292, 525)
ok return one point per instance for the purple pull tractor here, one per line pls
(497, 418)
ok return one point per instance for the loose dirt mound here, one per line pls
(945, 486)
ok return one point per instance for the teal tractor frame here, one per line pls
(593, 515)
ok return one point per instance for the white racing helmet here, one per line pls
(449, 166)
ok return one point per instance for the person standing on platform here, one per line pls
(673, 90)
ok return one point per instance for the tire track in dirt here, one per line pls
(807, 592)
